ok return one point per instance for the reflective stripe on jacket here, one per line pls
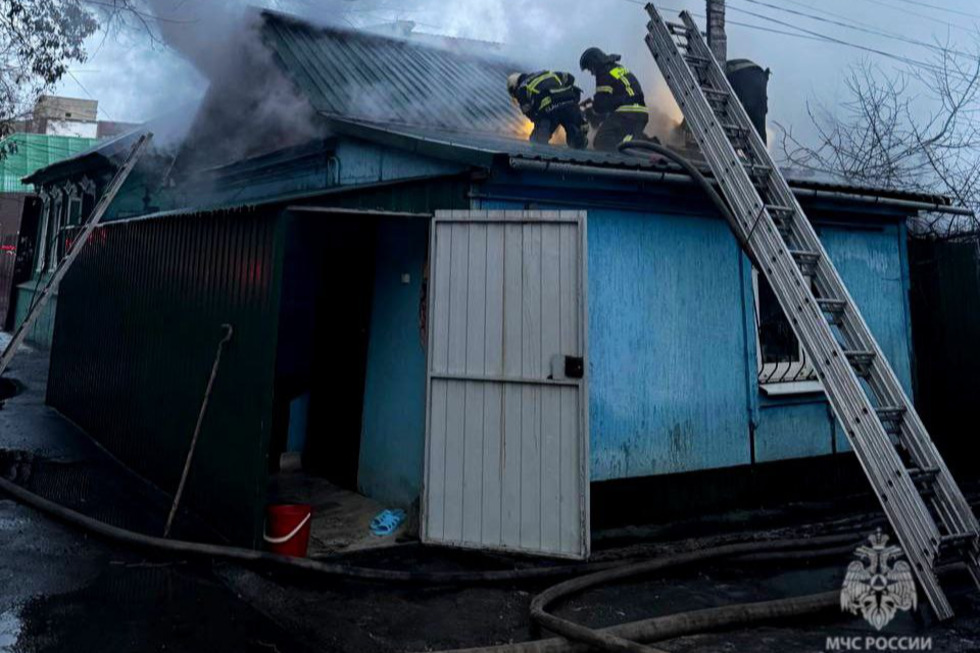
(617, 89)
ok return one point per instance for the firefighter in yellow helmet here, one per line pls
(550, 100)
(619, 110)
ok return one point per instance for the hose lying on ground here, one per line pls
(622, 637)
(252, 556)
(685, 623)
(612, 641)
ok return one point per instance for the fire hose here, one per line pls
(575, 638)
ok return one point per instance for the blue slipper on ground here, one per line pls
(387, 522)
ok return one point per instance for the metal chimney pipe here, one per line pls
(717, 40)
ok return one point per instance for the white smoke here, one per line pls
(220, 40)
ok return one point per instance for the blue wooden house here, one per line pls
(432, 309)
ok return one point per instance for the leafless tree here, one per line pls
(913, 129)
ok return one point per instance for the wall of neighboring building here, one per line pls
(946, 326)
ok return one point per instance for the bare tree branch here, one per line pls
(911, 130)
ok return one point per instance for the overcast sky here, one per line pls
(134, 80)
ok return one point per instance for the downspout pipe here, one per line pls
(527, 165)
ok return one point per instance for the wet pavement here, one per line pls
(61, 590)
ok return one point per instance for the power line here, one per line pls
(760, 28)
(922, 16)
(808, 34)
(85, 90)
(884, 53)
(852, 26)
(941, 8)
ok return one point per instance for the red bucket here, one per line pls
(287, 529)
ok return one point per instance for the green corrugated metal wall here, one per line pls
(31, 152)
(137, 326)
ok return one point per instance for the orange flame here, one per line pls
(526, 127)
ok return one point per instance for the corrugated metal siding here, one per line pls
(139, 320)
(361, 75)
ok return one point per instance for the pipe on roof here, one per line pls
(680, 178)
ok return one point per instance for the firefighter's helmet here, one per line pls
(594, 57)
(513, 82)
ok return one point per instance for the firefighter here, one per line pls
(550, 100)
(618, 110)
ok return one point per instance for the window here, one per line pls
(55, 234)
(781, 358)
(73, 215)
(43, 228)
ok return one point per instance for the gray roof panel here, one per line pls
(383, 79)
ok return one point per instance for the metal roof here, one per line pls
(379, 78)
(484, 149)
(31, 152)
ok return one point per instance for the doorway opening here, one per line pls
(350, 373)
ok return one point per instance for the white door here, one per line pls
(506, 451)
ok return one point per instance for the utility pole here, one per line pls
(717, 40)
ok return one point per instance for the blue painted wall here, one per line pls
(667, 355)
(873, 263)
(672, 337)
(393, 428)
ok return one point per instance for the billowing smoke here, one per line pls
(221, 39)
(251, 107)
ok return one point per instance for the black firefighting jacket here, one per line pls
(542, 92)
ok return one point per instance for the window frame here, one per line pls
(799, 373)
(42, 238)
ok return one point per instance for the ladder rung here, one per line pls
(951, 547)
(775, 208)
(715, 92)
(804, 255)
(695, 59)
(957, 538)
(927, 475)
(891, 413)
(891, 418)
(925, 480)
(834, 308)
(861, 361)
(806, 260)
(679, 27)
(832, 305)
(731, 127)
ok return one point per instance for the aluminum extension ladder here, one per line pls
(927, 510)
(137, 151)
